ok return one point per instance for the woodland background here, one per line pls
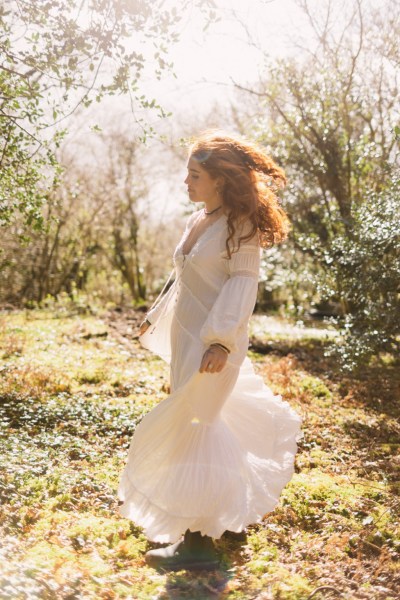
(78, 218)
(88, 156)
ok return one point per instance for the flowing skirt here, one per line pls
(214, 455)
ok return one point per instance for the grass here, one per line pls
(72, 391)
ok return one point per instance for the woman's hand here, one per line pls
(144, 327)
(213, 361)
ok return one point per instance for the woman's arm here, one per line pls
(229, 316)
(157, 307)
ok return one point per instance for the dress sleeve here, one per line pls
(230, 314)
(161, 302)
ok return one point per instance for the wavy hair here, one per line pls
(250, 182)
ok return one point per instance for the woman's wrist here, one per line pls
(221, 346)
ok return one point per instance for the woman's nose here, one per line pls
(187, 179)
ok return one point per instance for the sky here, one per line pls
(206, 65)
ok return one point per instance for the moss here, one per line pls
(64, 445)
(91, 376)
(49, 555)
(312, 498)
(259, 542)
(291, 587)
(317, 388)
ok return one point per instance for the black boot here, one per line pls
(193, 551)
(235, 536)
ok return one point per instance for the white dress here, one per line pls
(216, 453)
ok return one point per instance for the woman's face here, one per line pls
(201, 186)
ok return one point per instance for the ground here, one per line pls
(74, 384)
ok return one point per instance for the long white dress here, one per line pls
(216, 453)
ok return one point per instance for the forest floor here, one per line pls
(73, 386)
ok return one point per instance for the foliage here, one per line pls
(368, 267)
(97, 244)
(329, 120)
(60, 56)
(72, 392)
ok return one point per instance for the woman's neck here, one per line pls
(217, 210)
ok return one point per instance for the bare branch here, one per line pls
(13, 72)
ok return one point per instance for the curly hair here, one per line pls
(250, 180)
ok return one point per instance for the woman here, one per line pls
(214, 455)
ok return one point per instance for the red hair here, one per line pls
(250, 179)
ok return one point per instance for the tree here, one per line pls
(60, 55)
(369, 267)
(100, 238)
(329, 120)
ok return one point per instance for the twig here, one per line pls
(86, 95)
(321, 588)
(43, 582)
(210, 588)
(371, 545)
